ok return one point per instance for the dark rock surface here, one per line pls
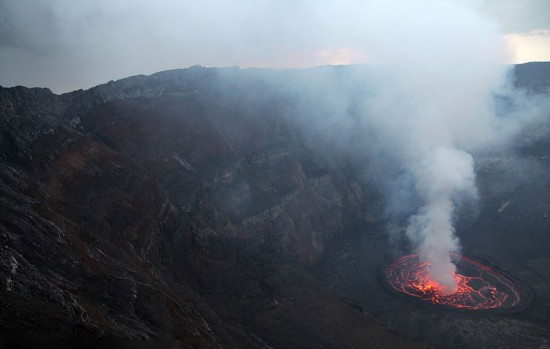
(189, 206)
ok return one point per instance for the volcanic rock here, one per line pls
(190, 207)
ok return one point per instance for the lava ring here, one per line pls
(479, 286)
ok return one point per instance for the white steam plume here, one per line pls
(442, 175)
(428, 106)
(433, 107)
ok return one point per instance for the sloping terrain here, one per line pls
(160, 207)
(192, 206)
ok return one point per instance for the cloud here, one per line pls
(76, 44)
(518, 16)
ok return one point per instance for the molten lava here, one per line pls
(479, 287)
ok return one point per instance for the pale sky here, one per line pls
(67, 45)
(526, 24)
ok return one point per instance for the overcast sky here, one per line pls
(68, 44)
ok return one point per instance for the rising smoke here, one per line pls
(441, 177)
(425, 113)
(433, 108)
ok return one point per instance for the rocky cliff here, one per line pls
(185, 206)
(179, 205)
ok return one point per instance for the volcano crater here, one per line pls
(481, 286)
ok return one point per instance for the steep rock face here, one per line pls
(252, 176)
(187, 204)
(82, 231)
(121, 205)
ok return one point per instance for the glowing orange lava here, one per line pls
(479, 287)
